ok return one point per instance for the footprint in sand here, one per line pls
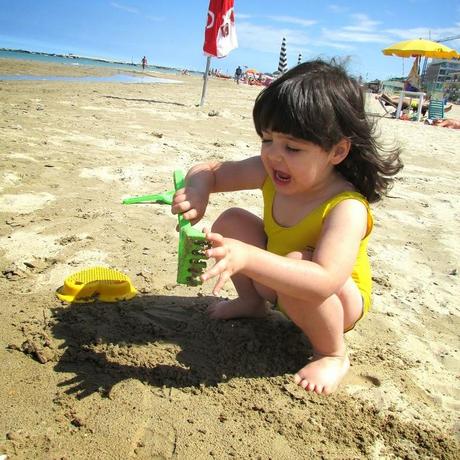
(9, 179)
(364, 380)
(24, 203)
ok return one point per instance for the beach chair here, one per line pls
(385, 101)
(393, 101)
(436, 109)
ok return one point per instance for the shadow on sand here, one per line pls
(149, 101)
(171, 341)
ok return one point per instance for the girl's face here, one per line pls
(297, 166)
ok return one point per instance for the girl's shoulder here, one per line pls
(346, 195)
(351, 204)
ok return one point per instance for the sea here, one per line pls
(74, 60)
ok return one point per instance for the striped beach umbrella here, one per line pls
(282, 65)
(299, 59)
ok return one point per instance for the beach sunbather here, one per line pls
(319, 168)
(448, 123)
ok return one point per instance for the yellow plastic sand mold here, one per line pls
(97, 283)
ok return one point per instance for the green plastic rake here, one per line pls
(192, 242)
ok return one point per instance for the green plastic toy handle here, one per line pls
(162, 198)
(179, 182)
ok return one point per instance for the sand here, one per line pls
(154, 377)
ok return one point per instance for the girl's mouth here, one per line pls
(281, 177)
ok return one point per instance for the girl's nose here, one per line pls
(274, 153)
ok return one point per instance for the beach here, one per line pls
(153, 377)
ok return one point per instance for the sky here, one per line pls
(171, 32)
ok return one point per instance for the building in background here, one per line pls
(452, 87)
(393, 85)
(438, 80)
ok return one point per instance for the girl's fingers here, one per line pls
(216, 270)
(179, 208)
(184, 206)
(215, 238)
(220, 283)
(216, 252)
(190, 215)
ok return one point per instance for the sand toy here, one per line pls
(97, 283)
(162, 198)
(192, 242)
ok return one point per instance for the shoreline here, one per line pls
(89, 61)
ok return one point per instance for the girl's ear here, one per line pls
(340, 151)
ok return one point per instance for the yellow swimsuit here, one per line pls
(305, 234)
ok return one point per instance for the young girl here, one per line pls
(318, 169)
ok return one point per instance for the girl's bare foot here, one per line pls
(323, 373)
(238, 308)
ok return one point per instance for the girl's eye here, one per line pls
(292, 149)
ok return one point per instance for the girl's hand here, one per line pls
(230, 257)
(191, 203)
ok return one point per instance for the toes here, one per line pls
(327, 390)
(319, 389)
(310, 387)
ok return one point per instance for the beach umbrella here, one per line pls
(219, 35)
(413, 79)
(420, 47)
(299, 59)
(282, 64)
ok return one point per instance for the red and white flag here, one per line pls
(220, 33)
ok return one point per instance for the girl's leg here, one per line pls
(242, 225)
(324, 326)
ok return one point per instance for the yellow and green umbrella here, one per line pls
(421, 47)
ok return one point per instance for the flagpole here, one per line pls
(205, 80)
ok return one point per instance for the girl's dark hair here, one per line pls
(318, 102)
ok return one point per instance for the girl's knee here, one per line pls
(242, 225)
(227, 219)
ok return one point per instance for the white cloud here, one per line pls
(360, 30)
(129, 9)
(344, 35)
(155, 18)
(425, 32)
(362, 23)
(293, 20)
(337, 8)
(268, 39)
(330, 44)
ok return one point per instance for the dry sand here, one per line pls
(154, 378)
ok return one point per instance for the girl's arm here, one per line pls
(331, 265)
(204, 179)
(227, 176)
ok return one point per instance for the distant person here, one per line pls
(144, 63)
(408, 86)
(238, 74)
(448, 123)
(319, 168)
